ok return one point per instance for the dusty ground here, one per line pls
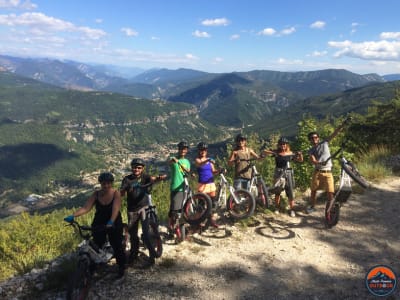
(278, 257)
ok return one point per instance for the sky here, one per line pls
(218, 36)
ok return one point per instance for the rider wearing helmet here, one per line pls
(240, 157)
(106, 177)
(284, 177)
(107, 202)
(178, 166)
(138, 195)
(206, 170)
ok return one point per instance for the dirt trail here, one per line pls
(277, 258)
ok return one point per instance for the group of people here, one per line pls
(137, 187)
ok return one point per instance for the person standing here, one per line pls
(240, 157)
(178, 167)
(283, 155)
(206, 170)
(107, 202)
(137, 187)
(320, 157)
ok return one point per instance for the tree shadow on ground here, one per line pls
(24, 160)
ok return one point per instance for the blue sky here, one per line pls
(208, 35)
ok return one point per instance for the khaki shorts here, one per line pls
(206, 188)
(322, 181)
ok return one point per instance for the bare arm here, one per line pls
(116, 206)
(337, 130)
(158, 178)
(85, 208)
(299, 157)
(253, 154)
(232, 158)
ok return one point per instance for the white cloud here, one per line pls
(318, 53)
(284, 61)
(191, 56)
(17, 4)
(129, 31)
(234, 37)
(216, 22)
(218, 60)
(201, 34)
(318, 25)
(288, 31)
(267, 31)
(390, 35)
(272, 32)
(43, 23)
(370, 50)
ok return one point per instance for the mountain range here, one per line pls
(88, 117)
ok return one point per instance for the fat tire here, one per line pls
(197, 209)
(333, 219)
(352, 171)
(151, 236)
(263, 198)
(80, 280)
(246, 206)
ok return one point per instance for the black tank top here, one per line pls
(282, 160)
(104, 212)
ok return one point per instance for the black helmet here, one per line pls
(240, 137)
(283, 140)
(202, 145)
(137, 161)
(106, 177)
(183, 144)
(311, 134)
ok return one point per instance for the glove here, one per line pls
(69, 219)
(110, 223)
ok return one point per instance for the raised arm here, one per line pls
(337, 130)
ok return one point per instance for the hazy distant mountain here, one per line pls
(228, 99)
(249, 97)
(66, 74)
(391, 77)
(165, 76)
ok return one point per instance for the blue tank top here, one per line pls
(205, 173)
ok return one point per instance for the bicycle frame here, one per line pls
(89, 256)
(222, 195)
(240, 203)
(344, 185)
(87, 246)
(348, 173)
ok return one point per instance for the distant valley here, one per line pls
(60, 121)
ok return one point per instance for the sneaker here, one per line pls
(170, 234)
(277, 211)
(310, 209)
(148, 262)
(292, 213)
(120, 274)
(132, 257)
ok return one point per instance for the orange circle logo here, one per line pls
(381, 281)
